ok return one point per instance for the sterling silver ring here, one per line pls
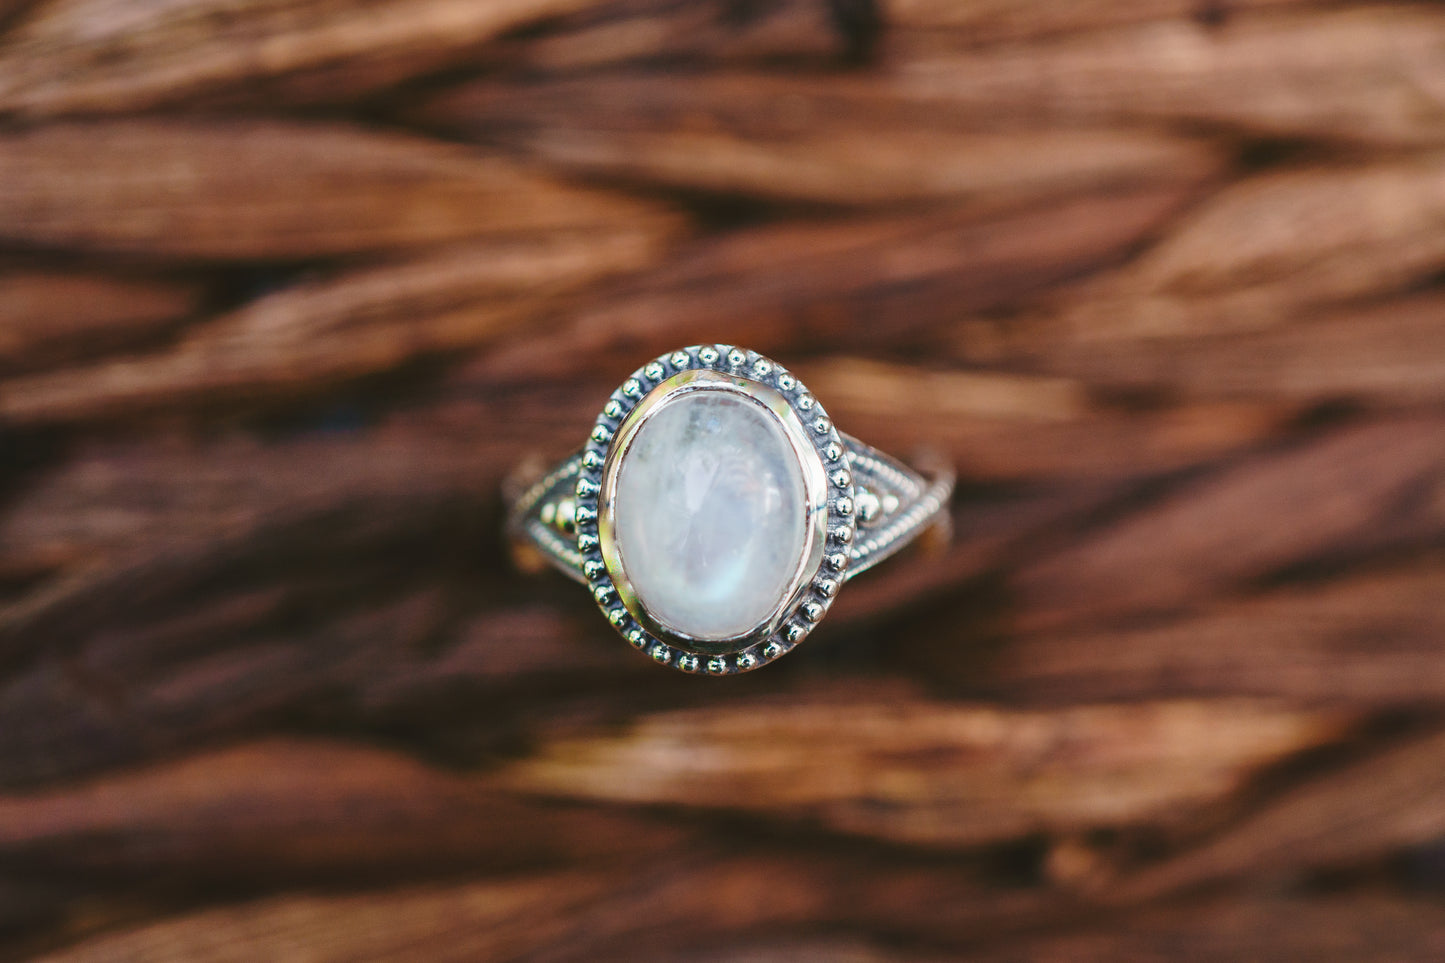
(715, 511)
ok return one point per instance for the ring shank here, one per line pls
(895, 504)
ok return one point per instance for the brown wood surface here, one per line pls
(290, 288)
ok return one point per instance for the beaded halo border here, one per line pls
(805, 609)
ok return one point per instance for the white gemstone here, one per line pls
(711, 514)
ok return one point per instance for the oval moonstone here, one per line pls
(711, 513)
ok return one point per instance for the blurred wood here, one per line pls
(692, 31)
(572, 915)
(856, 761)
(1355, 75)
(989, 21)
(1391, 352)
(1373, 488)
(9, 8)
(1332, 929)
(1383, 803)
(517, 920)
(48, 317)
(278, 811)
(486, 921)
(353, 323)
(759, 135)
(1013, 427)
(89, 56)
(269, 190)
(811, 283)
(1370, 639)
(1272, 248)
(116, 517)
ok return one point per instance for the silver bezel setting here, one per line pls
(828, 481)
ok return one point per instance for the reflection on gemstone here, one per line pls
(711, 514)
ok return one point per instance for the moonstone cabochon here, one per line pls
(830, 484)
(711, 514)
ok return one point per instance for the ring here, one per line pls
(715, 510)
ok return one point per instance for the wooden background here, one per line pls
(287, 287)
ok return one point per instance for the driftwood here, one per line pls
(289, 290)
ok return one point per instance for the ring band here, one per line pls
(715, 510)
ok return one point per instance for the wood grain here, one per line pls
(814, 281)
(812, 32)
(987, 21)
(263, 190)
(1360, 74)
(279, 801)
(1386, 802)
(1371, 485)
(352, 323)
(1272, 248)
(1385, 353)
(1370, 639)
(773, 136)
(50, 317)
(89, 56)
(855, 763)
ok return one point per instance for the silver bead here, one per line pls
(653, 371)
(566, 515)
